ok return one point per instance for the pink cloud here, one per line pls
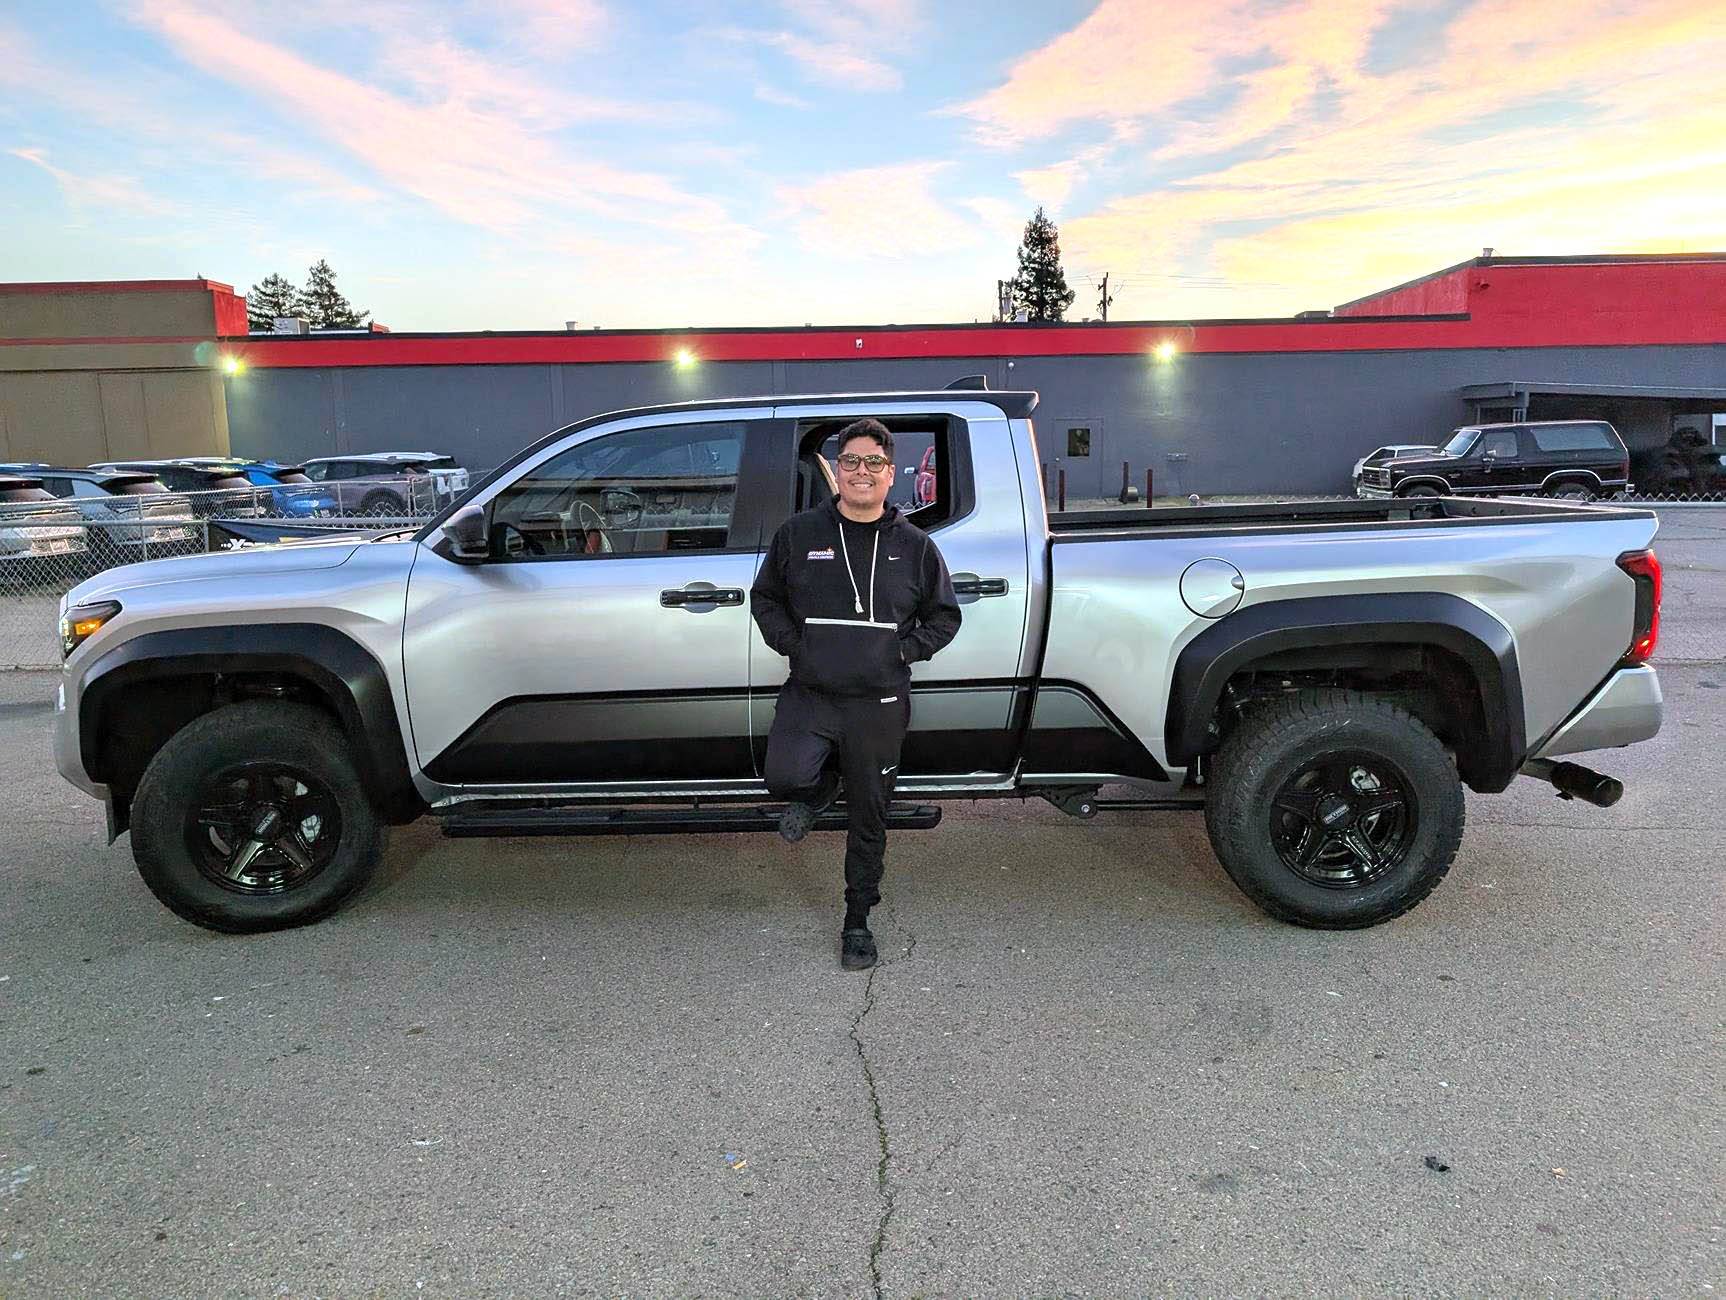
(466, 153)
(888, 212)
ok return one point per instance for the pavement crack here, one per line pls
(883, 1183)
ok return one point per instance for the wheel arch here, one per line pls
(142, 692)
(1339, 631)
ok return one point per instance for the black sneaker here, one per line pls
(798, 819)
(856, 949)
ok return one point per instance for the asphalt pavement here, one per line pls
(1086, 1065)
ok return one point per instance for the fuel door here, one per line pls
(1212, 588)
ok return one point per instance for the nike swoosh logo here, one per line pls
(886, 770)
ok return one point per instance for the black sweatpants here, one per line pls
(808, 727)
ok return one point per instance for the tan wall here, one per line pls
(107, 315)
(82, 417)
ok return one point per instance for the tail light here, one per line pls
(1644, 569)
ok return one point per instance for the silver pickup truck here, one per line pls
(569, 650)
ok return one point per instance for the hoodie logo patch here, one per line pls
(822, 555)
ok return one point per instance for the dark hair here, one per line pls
(867, 428)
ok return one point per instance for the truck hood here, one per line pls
(255, 563)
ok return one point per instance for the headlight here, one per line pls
(80, 624)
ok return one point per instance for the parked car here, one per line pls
(125, 506)
(38, 533)
(291, 494)
(390, 482)
(214, 491)
(1390, 451)
(1571, 459)
(1321, 678)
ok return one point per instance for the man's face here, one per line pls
(861, 488)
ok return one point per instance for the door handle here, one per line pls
(678, 597)
(979, 586)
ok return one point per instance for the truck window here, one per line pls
(638, 492)
(1500, 442)
(1573, 437)
(925, 452)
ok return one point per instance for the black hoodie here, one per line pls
(853, 607)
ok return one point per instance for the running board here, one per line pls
(511, 822)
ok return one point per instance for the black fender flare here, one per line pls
(1437, 619)
(342, 671)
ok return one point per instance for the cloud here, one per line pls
(1528, 123)
(106, 193)
(876, 212)
(842, 45)
(468, 153)
(768, 94)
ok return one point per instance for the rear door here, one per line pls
(606, 641)
(967, 703)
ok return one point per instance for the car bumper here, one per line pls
(1628, 708)
(1368, 492)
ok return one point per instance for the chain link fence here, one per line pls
(49, 547)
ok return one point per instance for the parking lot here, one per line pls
(1086, 1065)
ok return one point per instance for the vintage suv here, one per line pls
(569, 650)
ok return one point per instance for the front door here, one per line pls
(967, 703)
(1494, 465)
(606, 640)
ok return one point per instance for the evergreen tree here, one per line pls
(274, 296)
(322, 303)
(1040, 287)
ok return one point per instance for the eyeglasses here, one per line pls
(874, 464)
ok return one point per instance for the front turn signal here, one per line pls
(83, 622)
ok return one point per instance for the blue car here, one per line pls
(291, 494)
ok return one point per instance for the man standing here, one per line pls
(853, 595)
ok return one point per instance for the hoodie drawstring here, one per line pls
(857, 596)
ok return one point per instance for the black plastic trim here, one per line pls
(337, 666)
(1411, 618)
(1104, 744)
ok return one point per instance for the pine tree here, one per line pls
(323, 305)
(1040, 287)
(274, 296)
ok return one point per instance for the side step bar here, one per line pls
(510, 822)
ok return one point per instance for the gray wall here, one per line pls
(1212, 423)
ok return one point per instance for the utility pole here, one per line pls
(1003, 300)
(1103, 299)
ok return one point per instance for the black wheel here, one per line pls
(1334, 809)
(1572, 492)
(382, 503)
(1421, 490)
(254, 818)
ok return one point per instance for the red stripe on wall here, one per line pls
(1557, 330)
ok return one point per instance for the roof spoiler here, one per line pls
(973, 383)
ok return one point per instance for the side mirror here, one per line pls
(467, 535)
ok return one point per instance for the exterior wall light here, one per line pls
(1165, 351)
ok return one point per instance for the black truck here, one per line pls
(1573, 459)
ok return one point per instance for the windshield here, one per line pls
(1460, 442)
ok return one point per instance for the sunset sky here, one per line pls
(512, 164)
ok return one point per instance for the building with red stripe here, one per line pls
(1281, 405)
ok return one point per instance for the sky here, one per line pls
(517, 164)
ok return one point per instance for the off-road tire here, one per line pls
(270, 731)
(1276, 740)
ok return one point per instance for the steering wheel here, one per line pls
(592, 525)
